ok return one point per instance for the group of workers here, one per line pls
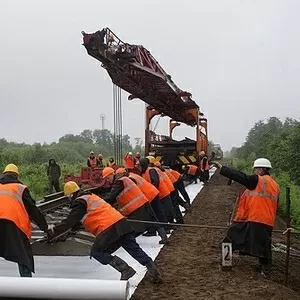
(152, 195)
(97, 162)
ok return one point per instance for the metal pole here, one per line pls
(288, 235)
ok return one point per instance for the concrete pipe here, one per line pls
(61, 288)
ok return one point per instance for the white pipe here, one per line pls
(62, 288)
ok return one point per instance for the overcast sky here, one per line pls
(239, 59)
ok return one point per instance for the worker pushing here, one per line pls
(131, 201)
(16, 209)
(110, 228)
(251, 230)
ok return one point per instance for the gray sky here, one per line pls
(239, 59)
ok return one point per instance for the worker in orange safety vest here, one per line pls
(17, 209)
(131, 201)
(154, 176)
(191, 173)
(129, 160)
(251, 230)
(152, 194)
(204, 168)
(176, 179)
(110, 228)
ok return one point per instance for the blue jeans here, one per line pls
(129, 244)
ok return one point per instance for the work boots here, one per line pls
(154, 273)
(121, 266)
(162, 233)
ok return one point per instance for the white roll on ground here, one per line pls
(61, 288)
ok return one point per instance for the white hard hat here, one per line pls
(262, 163)
(130, 153)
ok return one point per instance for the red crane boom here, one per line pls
(136, 71)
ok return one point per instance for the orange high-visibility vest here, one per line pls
(12, 207)
(130, 162)
(99, 214)
(93, 162)
(192, 170)
(148, 189)
(204, 167)
(162, 187)
(131, 198)
(170, 175)
(166, 179)
(259, 205)
(175, 174)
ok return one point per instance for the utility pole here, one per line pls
(103, 118)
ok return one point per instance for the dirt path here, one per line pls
(190, 264)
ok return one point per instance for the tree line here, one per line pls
(280, 143)
(70, 148)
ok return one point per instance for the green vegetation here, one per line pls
(71, 153)
(280, 143)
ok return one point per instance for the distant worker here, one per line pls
(251, 230)
(92, 160)
(100, 163)
(190, 173)
(132, 202)
(53, 173)
(204, 167)
(129, 160)
(111, 163)
(110, 228)
(137, 158)
(17, 209)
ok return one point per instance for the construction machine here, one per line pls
(135, 70)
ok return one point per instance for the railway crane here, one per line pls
(135, 70)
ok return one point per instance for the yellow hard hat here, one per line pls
(107, 171)
(71, 187)
(11, 168)
(151, 159)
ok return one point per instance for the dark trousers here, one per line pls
(179, 185)
(129, 244)
(178, 215)
(24, 271)
(160, 215)
(53, 183)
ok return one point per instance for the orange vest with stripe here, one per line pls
(170, 175)
(12, 207)
(162, 187)
(164, 176)
(99, 214)
(175, 174)
(204, 167)
(192, 170)
(259, 205)
(148, 189)
(131, 198)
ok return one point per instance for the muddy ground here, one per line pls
(190, 264)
